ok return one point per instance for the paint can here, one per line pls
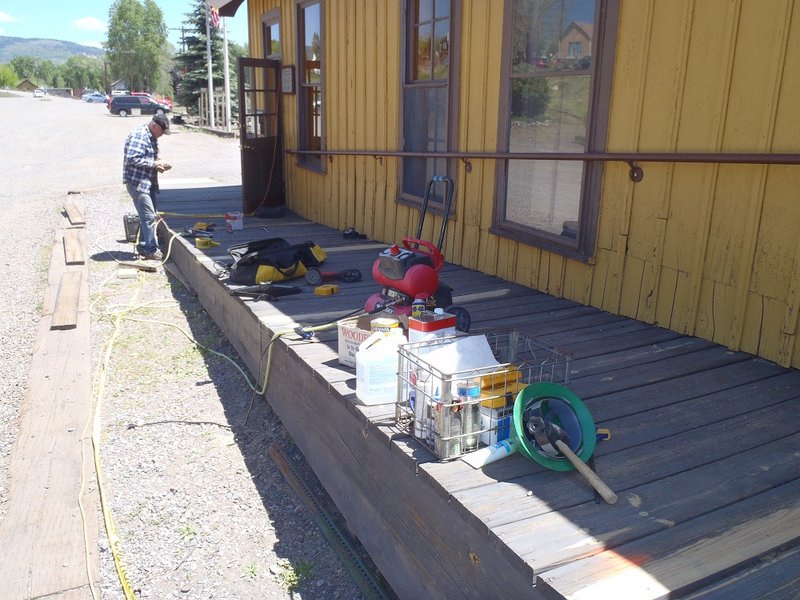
(384, 324)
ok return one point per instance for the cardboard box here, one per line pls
(496, 424)
(351, 332)
(501, 396)
(350, 338)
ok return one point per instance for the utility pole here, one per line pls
(183, 37)
(211, 119)
(227, 78)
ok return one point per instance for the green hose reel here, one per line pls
(560, 406)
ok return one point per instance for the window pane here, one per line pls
(441, 50)
(422, 53)
(552, 35)
(309, 35)
(442, 8)
(274, 40)
(313, 47)
(425, 130)
(549, 114)
(424, 11)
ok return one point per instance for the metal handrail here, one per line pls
(631, 158)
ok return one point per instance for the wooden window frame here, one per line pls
(451, 83)
(582, 247)
(309, 161)
(268, 19)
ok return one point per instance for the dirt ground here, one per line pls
(200, 507)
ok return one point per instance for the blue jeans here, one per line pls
(147, 219)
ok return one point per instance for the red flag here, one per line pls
(215, 17)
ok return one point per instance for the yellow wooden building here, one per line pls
(654, 170)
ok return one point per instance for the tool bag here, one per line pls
(272, 260)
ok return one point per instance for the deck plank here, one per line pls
(580, 531)
(687, 556)
(773, 578)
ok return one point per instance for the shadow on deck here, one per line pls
(704, 454)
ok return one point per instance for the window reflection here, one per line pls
(550, 89)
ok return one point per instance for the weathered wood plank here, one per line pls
(634, 466)
(41, 520)
(687, 556)
(74, 247)
(74, 213)
(577, 532)
(65, 312)
(775, 577)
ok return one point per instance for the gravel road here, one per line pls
(201, 509)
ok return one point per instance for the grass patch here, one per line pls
(292, 576)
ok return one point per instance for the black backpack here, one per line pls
(272, 260)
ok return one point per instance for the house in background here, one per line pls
(648, 168)
(26, 86)
(576, 43)
(120, 86)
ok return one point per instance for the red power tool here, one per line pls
(412, 272)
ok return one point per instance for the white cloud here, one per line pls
(6, 18)
(89, 24)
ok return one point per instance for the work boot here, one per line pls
(153, 255)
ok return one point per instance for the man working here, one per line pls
(140, 169)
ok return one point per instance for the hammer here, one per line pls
(547, 432)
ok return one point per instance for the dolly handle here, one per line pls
(594, 480)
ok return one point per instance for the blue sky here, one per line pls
(85, 21)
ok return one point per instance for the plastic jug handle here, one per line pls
(372, 339)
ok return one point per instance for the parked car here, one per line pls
(94, 97)
(37, 93)
(125, 105)
(161, 100)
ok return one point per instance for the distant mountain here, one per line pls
(57, 51)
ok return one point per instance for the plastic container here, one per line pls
(376, 367)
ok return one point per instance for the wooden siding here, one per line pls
(704, 249)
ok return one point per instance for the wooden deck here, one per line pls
(705, 448)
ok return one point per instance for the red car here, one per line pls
(163, 100)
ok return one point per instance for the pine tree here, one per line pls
(191, 66)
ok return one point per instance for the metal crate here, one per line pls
(451, 412)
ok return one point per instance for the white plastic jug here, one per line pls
(376, 367)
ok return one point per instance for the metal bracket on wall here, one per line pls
(636, 174)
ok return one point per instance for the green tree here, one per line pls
(44, 73)
(137, 43)
(191, 65)
(83, 72)
(8, 76)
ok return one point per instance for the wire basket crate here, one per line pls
(457, 411)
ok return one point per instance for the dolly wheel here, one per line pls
(463, 320)
(313, 276)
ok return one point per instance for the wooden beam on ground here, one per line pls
(141, 266)
(74, 214)
(65, 312)
(73, 247)
(50, 466)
